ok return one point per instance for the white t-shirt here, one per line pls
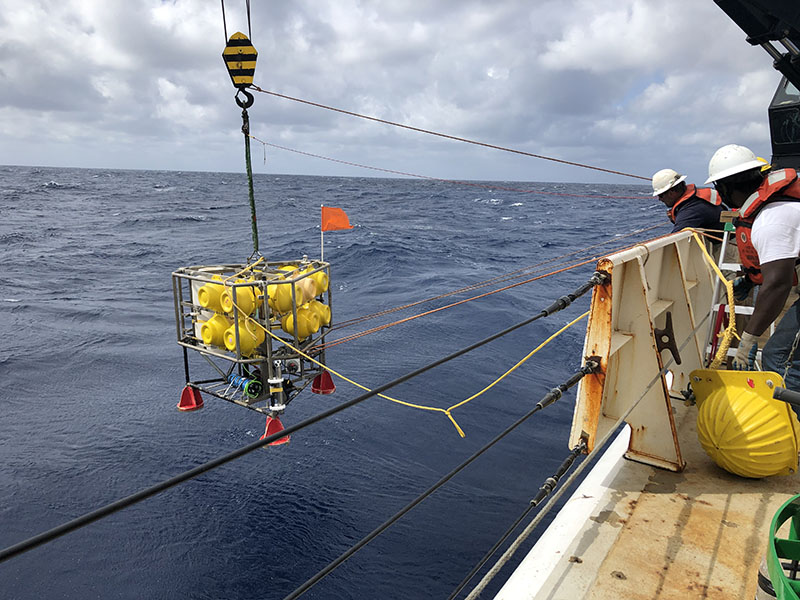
(776, 231)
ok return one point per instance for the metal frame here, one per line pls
(275, 362)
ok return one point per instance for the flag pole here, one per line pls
(321, 234)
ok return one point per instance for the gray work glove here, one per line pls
(741, 288)
(745, 357)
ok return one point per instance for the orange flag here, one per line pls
(334, 219)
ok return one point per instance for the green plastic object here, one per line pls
(784, 548)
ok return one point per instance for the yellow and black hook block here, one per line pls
(240, 59)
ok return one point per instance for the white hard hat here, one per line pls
(730, 160)
(666, 179)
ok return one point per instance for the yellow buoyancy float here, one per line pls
(280, 297)
(323, 310)
(251, 336)
(280, 294)
(213, 331)
(208, 296)
(248, 298)
(741, 427)
(308, 322)
(320, 279)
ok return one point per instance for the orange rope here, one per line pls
(354, 336)
(444, 135)
(499, 278)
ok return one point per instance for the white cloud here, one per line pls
(175, 107)
(629, 84)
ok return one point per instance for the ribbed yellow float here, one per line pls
(741, 427)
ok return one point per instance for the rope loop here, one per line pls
(730, 331)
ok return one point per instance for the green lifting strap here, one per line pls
(784, 548)
(254, 224)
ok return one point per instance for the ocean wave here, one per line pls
(90, 362)
(15, 237)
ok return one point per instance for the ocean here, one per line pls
(90, 374)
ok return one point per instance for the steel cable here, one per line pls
(599, 444)
(451, 181)
(516, 274)
(123, 503)
(549, 399)
(447, 136)
(544, 491)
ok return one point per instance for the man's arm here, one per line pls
(778, 275)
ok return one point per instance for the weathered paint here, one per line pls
(637, 532)
(647, 281)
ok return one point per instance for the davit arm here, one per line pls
(769, 21)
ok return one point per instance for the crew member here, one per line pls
(688, 206)
(768, 237)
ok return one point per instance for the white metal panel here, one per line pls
(650, 283)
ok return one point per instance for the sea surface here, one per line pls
(90, 374)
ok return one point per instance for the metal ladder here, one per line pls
(719, 301)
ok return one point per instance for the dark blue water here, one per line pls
(90, 373)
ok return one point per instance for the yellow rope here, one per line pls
(516, 366)
(447, 411)
(240, 273)
(730, 331)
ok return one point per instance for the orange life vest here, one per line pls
(706, 194)
(782, 183)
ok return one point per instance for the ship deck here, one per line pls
(634, 531)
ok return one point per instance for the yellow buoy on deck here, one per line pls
(741, 427)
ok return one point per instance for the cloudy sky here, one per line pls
(628, 85)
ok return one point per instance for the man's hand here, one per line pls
(745, 357)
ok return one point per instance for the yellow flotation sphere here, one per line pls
(212, 331)
(281, 297)
(322, 310)
(307, 320)
(290, 270)
(272, 289)
(321, 280)
(248, 299)
(208, 296)
(306, 290)
(272, 292)
(251, 336)
(741, 427)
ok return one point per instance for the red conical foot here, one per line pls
(190, 399)
(274, 425)
(323, 384)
